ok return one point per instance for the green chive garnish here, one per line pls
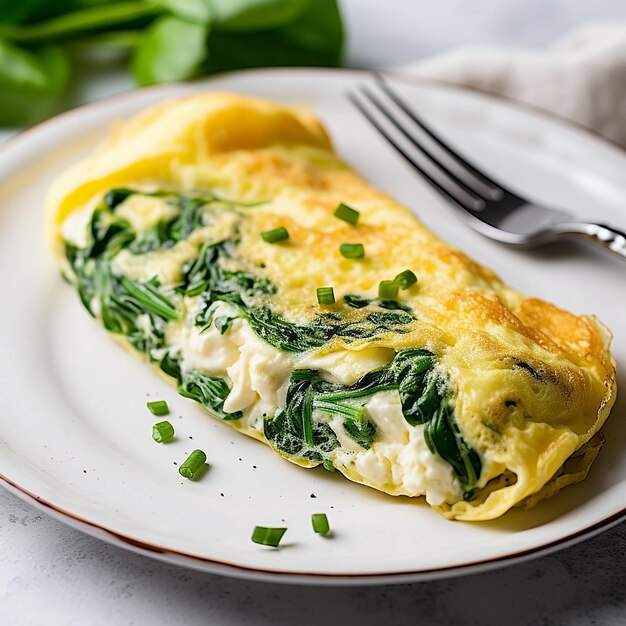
(162, 432)
(158, 407)
(405, 279)
(268, 536)
(328, 465)
(388, 290)
(352, 250)
(325, 295)
(319, 521)
(192, 466)
(275, 235)
(347, 214)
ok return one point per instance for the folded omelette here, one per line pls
(199, 234)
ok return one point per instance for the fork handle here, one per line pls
(607, 236)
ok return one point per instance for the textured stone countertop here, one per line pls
(54, 575)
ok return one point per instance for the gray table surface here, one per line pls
(54, 575)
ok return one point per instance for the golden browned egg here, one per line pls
(199, 234)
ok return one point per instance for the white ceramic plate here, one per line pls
(75, 435)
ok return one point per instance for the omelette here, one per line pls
(222, 240)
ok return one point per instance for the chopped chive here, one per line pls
(319, 521)
(388, 290)
(158, 407)
(405, 279)
(275, 235)
(192, 466)
(347, 214)
(352, 250)
(328, 465)
(325, 295)
(162, 432)
(268, 536)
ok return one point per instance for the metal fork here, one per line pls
(483, 202)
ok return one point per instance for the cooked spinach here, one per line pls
(359, 302)
(209, 391)
(294, 337)
(425, 397)
(293, 430)
(224, 322)
(140, 310)
(135, 309)
(363, 433)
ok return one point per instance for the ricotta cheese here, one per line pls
(398, 459)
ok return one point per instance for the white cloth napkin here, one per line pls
(582, 77)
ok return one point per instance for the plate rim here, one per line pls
(216, 566)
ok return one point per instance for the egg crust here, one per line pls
(533, 383)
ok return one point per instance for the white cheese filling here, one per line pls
(398, 460)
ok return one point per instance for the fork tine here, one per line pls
(451, 152)
(478, 203)
(483, 192)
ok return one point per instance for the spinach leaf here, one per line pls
(30, 82)
(247, 15)
(443, 437)
(293, 430)
(210, 391)
(419, 398)
(171, 49)
(363, 433)
(192, 10)
(425, 397)
(314, 38)
(359, 302)
(223, 323)
(80, 22)
(138, 310)
(12, 12)
(294, 337)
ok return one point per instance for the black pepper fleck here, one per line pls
(313, 495)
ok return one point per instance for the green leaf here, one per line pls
(363, 433)
(18, 11)
(314, 38)
(77, 23)
(172, 49)
(30, 11)
(249, 15)
(192, 10)
(30, 82)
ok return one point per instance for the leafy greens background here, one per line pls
(165, 40)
